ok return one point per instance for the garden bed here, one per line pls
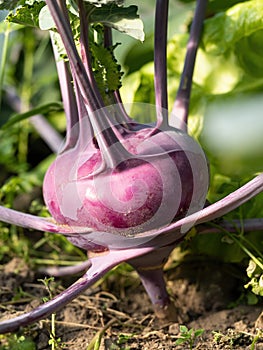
(118, 309)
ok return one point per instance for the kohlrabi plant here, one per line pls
(127, 191)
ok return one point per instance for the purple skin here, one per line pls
(119, 200)
(145, 247)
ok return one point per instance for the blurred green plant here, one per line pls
(15, 342)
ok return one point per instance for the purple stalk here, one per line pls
(155, 286)
(112, 150)
(79, 102)
(160, 62)
(173, 233)
(85, 53)
(58, 271)
(218, 209)
(86, 58)
(233, 226)
(180, 110)
(17, 218)
(69, 101)
(71, 109)
(78, 69)
(125, 118)
(232, 201)
(150, 270)
(99, 266)
(79, 128)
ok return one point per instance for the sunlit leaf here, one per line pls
(123, 19)
(12, 4)
(249, 51)
(47, 108)
(46, 21)
(106, 69)
(26, 15)
(225, 29)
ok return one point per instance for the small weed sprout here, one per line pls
(121, 342)
(53, 341)
(256, 338)
(15, 342)
(188, 336)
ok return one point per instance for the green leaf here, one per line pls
(249, 51)
(27, 15)
(46, 108)
(183, 329)
(256, 285)
(46, 21)
(132, 27)
(12, 4)
(254, 209)
(181, 341)
(106, 70)
(21, 343)
(226, 28)
(124, 19)
(252, 269)
(215, 6)
(198, 332)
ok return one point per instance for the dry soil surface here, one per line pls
(118, 310)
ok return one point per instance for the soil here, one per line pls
(118, 308)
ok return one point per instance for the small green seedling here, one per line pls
(15, 342)
(256, 337)
(121, 342)
(188, 336)
(54, 342)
